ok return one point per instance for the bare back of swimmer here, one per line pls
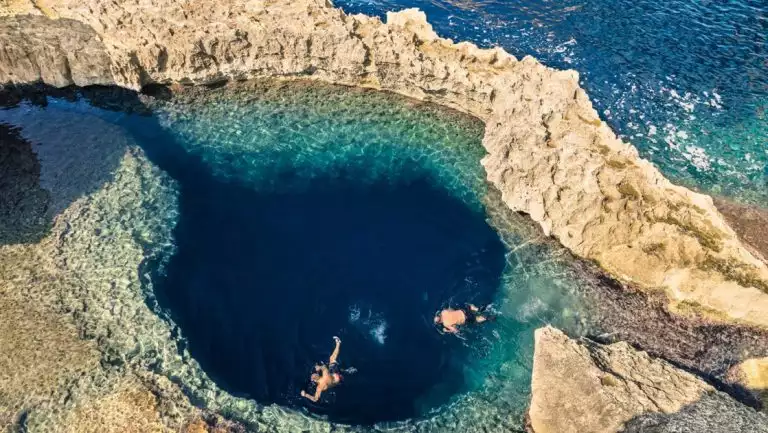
(451, 319)
(326, 377)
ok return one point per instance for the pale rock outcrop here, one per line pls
(548, 152)
(586, 387)
(18, 7)
(752, 375)
(58, 52)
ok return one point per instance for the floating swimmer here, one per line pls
(451, 319)
(326, 377)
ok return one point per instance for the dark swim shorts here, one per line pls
(470, 315)
(334, 369)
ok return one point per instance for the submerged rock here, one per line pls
(583, 386)
(23, 202)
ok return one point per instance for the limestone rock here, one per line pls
(29, 375)
(714, 413)
(752, 375)
(750, 222)
(57, 52)
(18, 7)
(585, 387)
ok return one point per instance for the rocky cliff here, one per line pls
(549, 153)
(586, 387)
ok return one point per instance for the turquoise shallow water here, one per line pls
(684, 81)
(258, 167)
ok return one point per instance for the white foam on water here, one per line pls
(379, 332)
(369, 322)
(531, 309)
(698, 157)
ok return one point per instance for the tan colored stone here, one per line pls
(749, 222)
(131, 408)
(755, 373)
(585, 387)
(40, 350)
(57, 52)
(18, 7)
(752, 374)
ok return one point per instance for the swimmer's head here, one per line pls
(315, 377)
(438, 318)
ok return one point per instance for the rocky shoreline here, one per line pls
(581, 386)
(681, 267)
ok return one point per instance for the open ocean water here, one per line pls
(686, 81)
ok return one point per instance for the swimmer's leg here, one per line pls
(335, 354)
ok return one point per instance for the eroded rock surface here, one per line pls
(58, 52)
(549, 153)
(750, 222)
(588, 387)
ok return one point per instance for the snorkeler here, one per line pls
(451, 319)
(326, 377)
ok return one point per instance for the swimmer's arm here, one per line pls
(313, 398)
(452, 329)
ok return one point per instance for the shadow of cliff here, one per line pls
(50, 158)
(712, 413)
(749, 222)
(23, 203)
(704, 348)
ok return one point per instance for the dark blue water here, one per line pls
(685, 81)
(261, 281)
(277, 252)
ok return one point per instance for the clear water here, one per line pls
(307, 211)
(684, 81)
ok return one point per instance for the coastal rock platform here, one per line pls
(549, 155)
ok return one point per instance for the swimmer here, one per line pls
(451, 319)
(326, 377)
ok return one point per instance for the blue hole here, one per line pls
(261, 281)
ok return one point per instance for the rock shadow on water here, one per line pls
(49, 159)
(261, 281)
(23, 203)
